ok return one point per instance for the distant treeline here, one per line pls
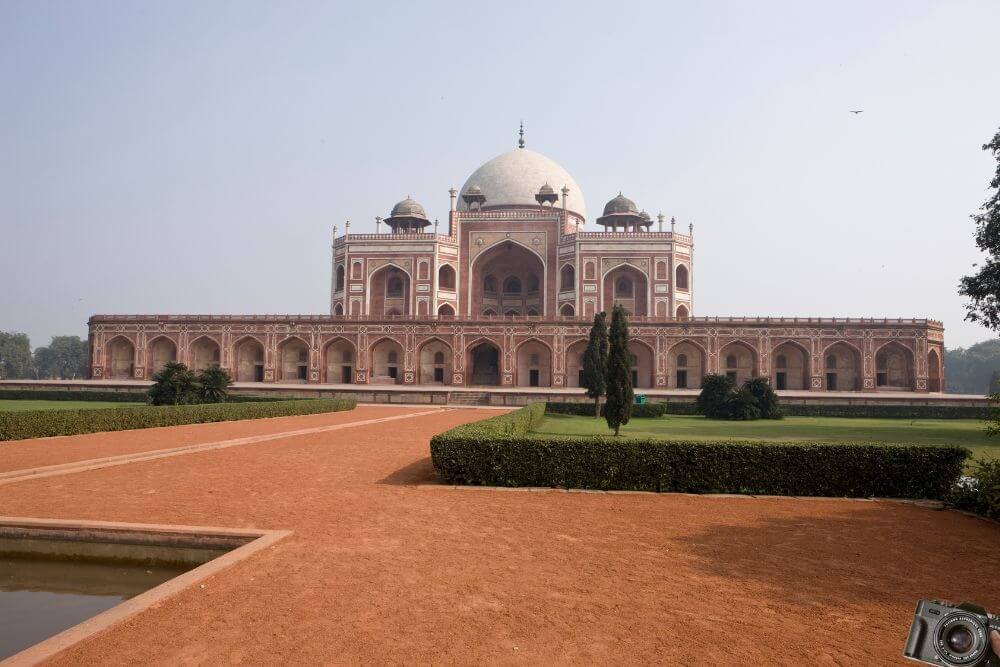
(64, 358)
(973, 370)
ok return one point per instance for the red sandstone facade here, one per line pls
(505, 298)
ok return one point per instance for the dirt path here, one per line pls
(382, 570)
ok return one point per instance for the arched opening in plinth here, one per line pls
(626, 285)
(161, 352)
(574, 363)
(390, 292)
(387, 362)
(294, 360)
(790, 366)
(934, 371)
(507, 278)
(738, 361)
(435, 362)
(121, 358)
(841, 367)
(534, 364)
(687, 362)
(339, 361)
(643, 368)
(484, 364)
(894, 367)
(205, 352)
(249, 360)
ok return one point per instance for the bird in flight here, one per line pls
(857, 111)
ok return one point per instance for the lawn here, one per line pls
(966, 432)
(23, 406)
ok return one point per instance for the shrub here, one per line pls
(713, 401)
(174, 384)
(503, 452)
(766, 399)
(980, 492)
(45, 423)
(213, 384)
(742, 405)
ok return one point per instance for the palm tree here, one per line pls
(213, 384)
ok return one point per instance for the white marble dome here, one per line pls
(515, 177)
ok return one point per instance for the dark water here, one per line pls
(40, 598)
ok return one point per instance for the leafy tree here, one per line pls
(15, 355)
(595, 362)
(618, 407)
(763, 394)
(213, 384)
(983, 287)
(65, 358)
(713, 401)
(174, 384)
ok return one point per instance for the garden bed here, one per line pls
(506, 451)
(46, 423)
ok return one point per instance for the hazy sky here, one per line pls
(172, 157)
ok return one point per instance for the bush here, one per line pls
(174, 384)
(503, 452)
(213, 384)
(886, 411)
(713, 401)
(764, 396)
(980, 492)
(46, 423)
(721, 399)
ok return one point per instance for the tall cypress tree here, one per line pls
(618, 408)
(595, 362)
(983, 287)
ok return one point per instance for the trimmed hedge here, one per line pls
(46, 423)
(980, 492)
(641, 410)
(503, 452)
(112, 396)
(800, 410)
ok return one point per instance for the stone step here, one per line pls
(468, 398)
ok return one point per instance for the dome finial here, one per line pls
(520, 134)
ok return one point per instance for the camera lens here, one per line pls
(960, 639)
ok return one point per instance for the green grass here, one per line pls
(968, 433)
(23, 406)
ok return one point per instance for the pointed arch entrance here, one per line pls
(483, 363)
(249, 360)
(790, 366)
(435, 362)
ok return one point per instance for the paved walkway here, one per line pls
(384, 567)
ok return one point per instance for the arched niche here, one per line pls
(446, 277)
(249, 354)
(510, 276)
(894, 367)
(339, 361)
(387, 362)
(534, 364)
(790, 366)
(205, 352)
(161, 351)
(687, 362)
(483, 363)
(738, 361)
(389, 292)
(626, 285)
(643, 366)
(293, 356)
(121, 358)
(841, 368)
(435, 362)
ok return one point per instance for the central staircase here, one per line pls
(468, 398)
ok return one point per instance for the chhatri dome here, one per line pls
(515, 178)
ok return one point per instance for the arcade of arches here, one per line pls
(495, 358)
